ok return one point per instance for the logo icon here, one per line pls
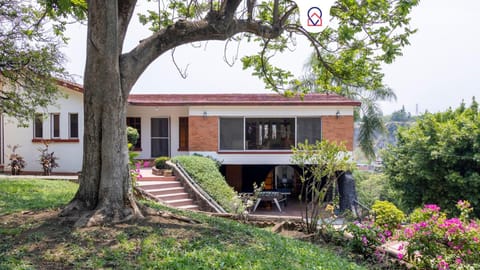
(314, 15)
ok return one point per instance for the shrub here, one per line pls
(132, 135)
(161, 162)
(366, 238)
(387, 215)
(436, 242)
(205, 172)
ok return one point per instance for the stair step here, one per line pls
(159, 185)
(158, 178)
(173, 196)
(188, 207)
(179, 202)
(163, 191)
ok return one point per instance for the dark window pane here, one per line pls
(73, 125)
(310, 129)
(231, 134)
(55, 118)
(136, 123)
(160, 147)
(38, 126)
(269, 133)
(159, 127)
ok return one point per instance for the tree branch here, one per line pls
(132, 64)
(125, 11)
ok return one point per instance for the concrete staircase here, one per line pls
(166, 189)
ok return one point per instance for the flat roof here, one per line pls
(238, 99)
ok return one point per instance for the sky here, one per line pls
(437, 71)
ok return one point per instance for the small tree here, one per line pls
(322, 164)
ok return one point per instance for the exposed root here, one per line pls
(148, 211)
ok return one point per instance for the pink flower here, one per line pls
(400, 247)
(408, 232)
(146, 164)
(432, 207)
(364, 240)
(400, 256)
(443, 265)
(458, 261)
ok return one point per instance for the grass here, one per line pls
(41, 241)
(32, 194)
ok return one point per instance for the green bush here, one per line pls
(387, 215)
(205, 172)
(161, 162)
(132, 135)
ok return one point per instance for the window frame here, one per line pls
(55, 126)
(136, 122)
(38, 126)
(70, 136)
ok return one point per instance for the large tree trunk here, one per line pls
(104, 195)
(105, 192)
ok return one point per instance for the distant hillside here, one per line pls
(392, 124)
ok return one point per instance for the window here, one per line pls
(136, 123)
(309, 128)
(231, 134)
(73, 125)
(269, 133)
(38, 126)
(55, 124)
(183, 134)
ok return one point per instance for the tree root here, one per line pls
(148, 211)
(77, 213)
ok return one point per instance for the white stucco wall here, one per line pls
(69, 153)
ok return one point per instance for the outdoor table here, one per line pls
(274, 196)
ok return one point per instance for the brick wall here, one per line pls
(203, 133)
(338, 129)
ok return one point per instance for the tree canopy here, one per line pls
(30, 58)
(437, 160)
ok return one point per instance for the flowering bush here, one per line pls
(366, 237)
(437, 242)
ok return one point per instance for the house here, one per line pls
(251, 134)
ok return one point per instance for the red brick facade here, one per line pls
(338, 129)
(203, 133)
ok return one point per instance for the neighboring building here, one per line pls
(251, 134)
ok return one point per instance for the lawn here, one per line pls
(42, 240)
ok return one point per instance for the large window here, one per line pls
(38, 126)
(243, 133)
(73, 125)
(269, 133)
(136, 123)
(309, 128)
(231, 134)
(183, 133)
(55, 125)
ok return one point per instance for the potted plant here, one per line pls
(160, 165)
